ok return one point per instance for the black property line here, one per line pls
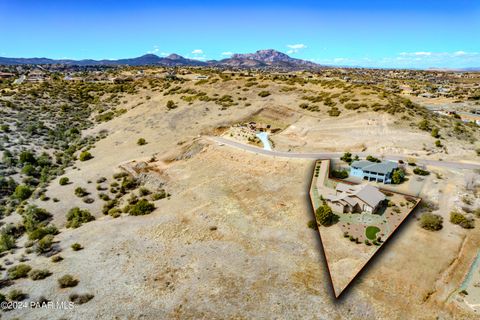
(376, 253)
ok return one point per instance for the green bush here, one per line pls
(373, 159)
(421, 172)
(56, 259)
(7, 241)
(347, 157)
(67, 281)
(39, 274)
(45, 244)
(141, 142)
(76, 217)
(325, 215)
(81, 192)
(27, 157)
(76, 246)
(85, 155)
(40, 232)
(35, 217)
(80, 298)
(63, 181)
(312, 224)
(19, 271)
(430, 221)
(16, 295)
(142, 207)
(398, 176)
(263, 94)
(171, 105)
(340, 174)
(22, 192)
(461, 220)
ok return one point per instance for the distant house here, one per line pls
(373, 171)
(355, 198)
(6, 75)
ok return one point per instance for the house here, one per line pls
(6, 75)
(373, 171)
(355, 198)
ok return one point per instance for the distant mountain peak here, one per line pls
(174, 56)
(268, 58)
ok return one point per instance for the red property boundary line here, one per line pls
(320, 234)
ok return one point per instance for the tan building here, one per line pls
(355, 198)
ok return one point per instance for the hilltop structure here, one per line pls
(373, 171)
(355, 198)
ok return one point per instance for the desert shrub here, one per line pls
(312, 224)
(421, 172)
(22, 192)
(430, 221)
(159, 195)
(424, 125)
(56, 259)
(7, 241)
(325, 215)
(67, 281)
(76, 246)
(45, 244)
(142, 207)
(80, 298)
(35, 217)
(38, 274)
(29, 170)
(76, 217)
(27, 157)
(143, 192)
(141, 142)
(19, 271)
(63, 181)
(334, 112)
(263, 94)
(81, 192)
(16, 295)
(461, 220)
(101, 180)
(373, 159)
(129, 183)
(41, 231)
(85, 155)
(171, 105)
(435, 133)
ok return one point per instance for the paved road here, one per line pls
(337, 155)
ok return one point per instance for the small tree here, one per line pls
(398, 176)
(324, 215)
(141, 142)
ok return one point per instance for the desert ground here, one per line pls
(231, 241)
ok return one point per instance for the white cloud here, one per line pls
(423, 53)
(297, 46)
(197, 51)
(294, 48)
(227, 53)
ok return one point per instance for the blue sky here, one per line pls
(395, 33)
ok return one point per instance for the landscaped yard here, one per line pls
(371, 232)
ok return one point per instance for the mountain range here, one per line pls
(260, 59)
